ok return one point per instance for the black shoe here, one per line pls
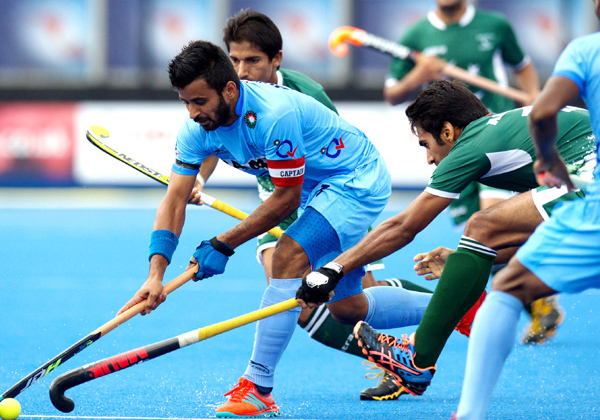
(386, 389)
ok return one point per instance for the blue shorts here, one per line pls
(338, 214)
(564, 251)
(352, 202)
(323, 248)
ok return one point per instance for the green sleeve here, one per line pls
(512, 53)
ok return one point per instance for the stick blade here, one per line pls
(98, 132)
(58, 388)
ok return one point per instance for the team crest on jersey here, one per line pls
(250, 119)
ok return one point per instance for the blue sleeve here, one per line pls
(189, 152)
(572, 65)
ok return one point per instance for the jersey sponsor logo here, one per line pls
(334, 148)
(250, 119)
(485, 41)
(286, 173)
(251, 166)
(435, 50)
(285, 149)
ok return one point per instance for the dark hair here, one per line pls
(202, 60)
(444, 101)
(256, 28)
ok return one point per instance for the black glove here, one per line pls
(317, 286)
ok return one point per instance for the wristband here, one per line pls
(335, 267)
(222, 247)
(163, 242)
(201, 179)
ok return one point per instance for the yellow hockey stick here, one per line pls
(97, 136)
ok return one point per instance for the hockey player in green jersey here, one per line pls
(466, 144)
(482, 42)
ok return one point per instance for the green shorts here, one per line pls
(546, 198)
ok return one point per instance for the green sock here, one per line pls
(463, 280)
(321, 326)
(405, 284)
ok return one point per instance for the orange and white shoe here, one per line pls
(245, 402)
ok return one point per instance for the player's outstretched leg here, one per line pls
(245, 401)
(395, 356)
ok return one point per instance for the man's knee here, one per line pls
(289, 259)
(483, 226)
(516, 280)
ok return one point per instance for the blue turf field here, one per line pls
(66, 271)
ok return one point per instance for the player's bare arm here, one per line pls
(427, 68)
(206, 170)
(395, 232)
(527, 79)
(549, 167)
(283, 202)
(169, 216)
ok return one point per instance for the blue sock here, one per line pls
(273, 333)
(492, 339)
(392, 307)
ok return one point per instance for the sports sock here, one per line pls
(273, 333)
(404, 284)
(463, 280)
(492, 339)
(392, 307)
(321, 327)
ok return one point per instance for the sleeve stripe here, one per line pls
(442, 194)
(183, 170)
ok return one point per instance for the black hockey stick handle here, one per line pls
(129, 358)
(89, 339)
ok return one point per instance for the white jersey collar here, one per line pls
(466, 18)
(279, 78)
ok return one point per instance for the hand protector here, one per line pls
(212, 256)
(317, 286)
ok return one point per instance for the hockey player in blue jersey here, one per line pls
(319, 163)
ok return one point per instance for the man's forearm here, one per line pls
(385, 239)
(264, 217)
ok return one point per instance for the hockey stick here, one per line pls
(127, 359)
(344, 35)
(89, 339)
(97, 135)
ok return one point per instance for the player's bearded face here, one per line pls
(212, 120)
